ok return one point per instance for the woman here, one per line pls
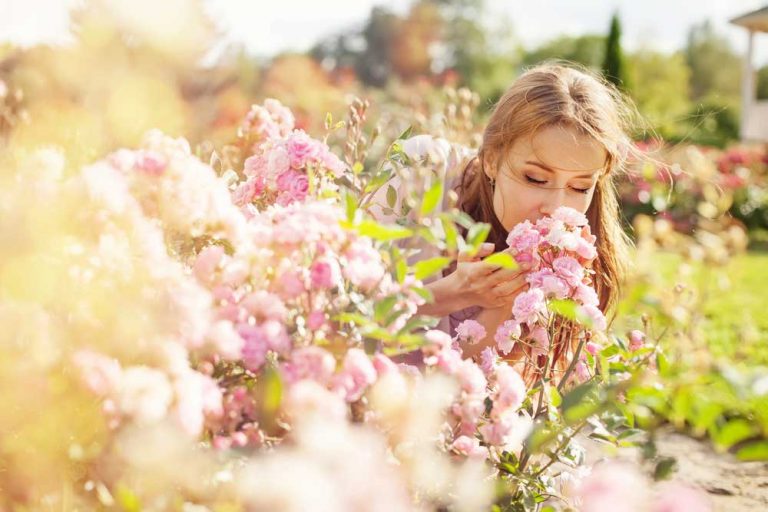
(557, 137)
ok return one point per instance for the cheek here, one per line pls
(514, 203)
(579, 202)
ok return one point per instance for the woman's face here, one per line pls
(558, 166)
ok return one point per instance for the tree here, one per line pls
(613, 64)
(483, 52)
(660, 88)
(374, 64)
(762, 83)
(715, 69)
(587, 50)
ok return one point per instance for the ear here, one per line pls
(490, 167)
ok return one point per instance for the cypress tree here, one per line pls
(613, 64)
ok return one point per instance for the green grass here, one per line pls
(735, 304)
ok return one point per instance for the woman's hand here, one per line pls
(486, 285)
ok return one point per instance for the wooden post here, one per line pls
(747, 86)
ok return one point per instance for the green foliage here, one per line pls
(613, 63)
(762, 83)
(715, 68)
(660, 89)
(587, 50)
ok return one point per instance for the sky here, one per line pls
(267, 27)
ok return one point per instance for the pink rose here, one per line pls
(506, 335)
(676, 497)
(302, 149)
(315, 320)
(568, 269)
(636, 340)
(469, 446)
(207, 262)
(586, 295)
(293, 186)
(248, 190)
(595, 316)
(524, 238)
(549, 283)
(511, 390)
(609, 484)
(322, 274)
(290, 285)
(255, 346)
(528, 306)
(569, 216)
(309, 363)
(331, 162)
(151, 162)
(541, 338)
(356, 376)
(470, 331)
(264, 305)
(471, 377)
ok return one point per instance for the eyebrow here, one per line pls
(538, 164)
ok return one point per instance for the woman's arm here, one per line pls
(447, 295)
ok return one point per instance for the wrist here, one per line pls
(454, 295)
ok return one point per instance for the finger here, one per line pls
(510, 288)
(503, 276)
(486, 249)
(482, 251)
(508, 298)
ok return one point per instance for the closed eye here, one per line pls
(543, 182)
(532, 180)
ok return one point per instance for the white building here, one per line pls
(754, 118)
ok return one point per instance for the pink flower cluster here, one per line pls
(145, 394)
(504, 427)
(283, 163)
(277, 298)
(559, 250)
(272, 120)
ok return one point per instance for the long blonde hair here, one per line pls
(559, 94)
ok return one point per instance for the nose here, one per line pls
(553, 200)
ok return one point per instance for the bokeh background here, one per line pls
(91, 76)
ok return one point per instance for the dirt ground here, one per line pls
(732, 485)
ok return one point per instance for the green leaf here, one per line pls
(580, 403)
(406, 133)
(378, 180)
(418, 322)
(383, 307)
(577, 395)
(328, 120)
(382, 232)
(733, 432)
(501, 259)
(757, 451)
(566, 308)
(554, 396)
(426, 268)
(451, 234)
(273, 390)
(424, 293)
(391, 196)
(432, 198)
(540, 437)
(353, 318)
(477, 234)
(351, 205)
(127, 498)
(664, 468)
(357, 168)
